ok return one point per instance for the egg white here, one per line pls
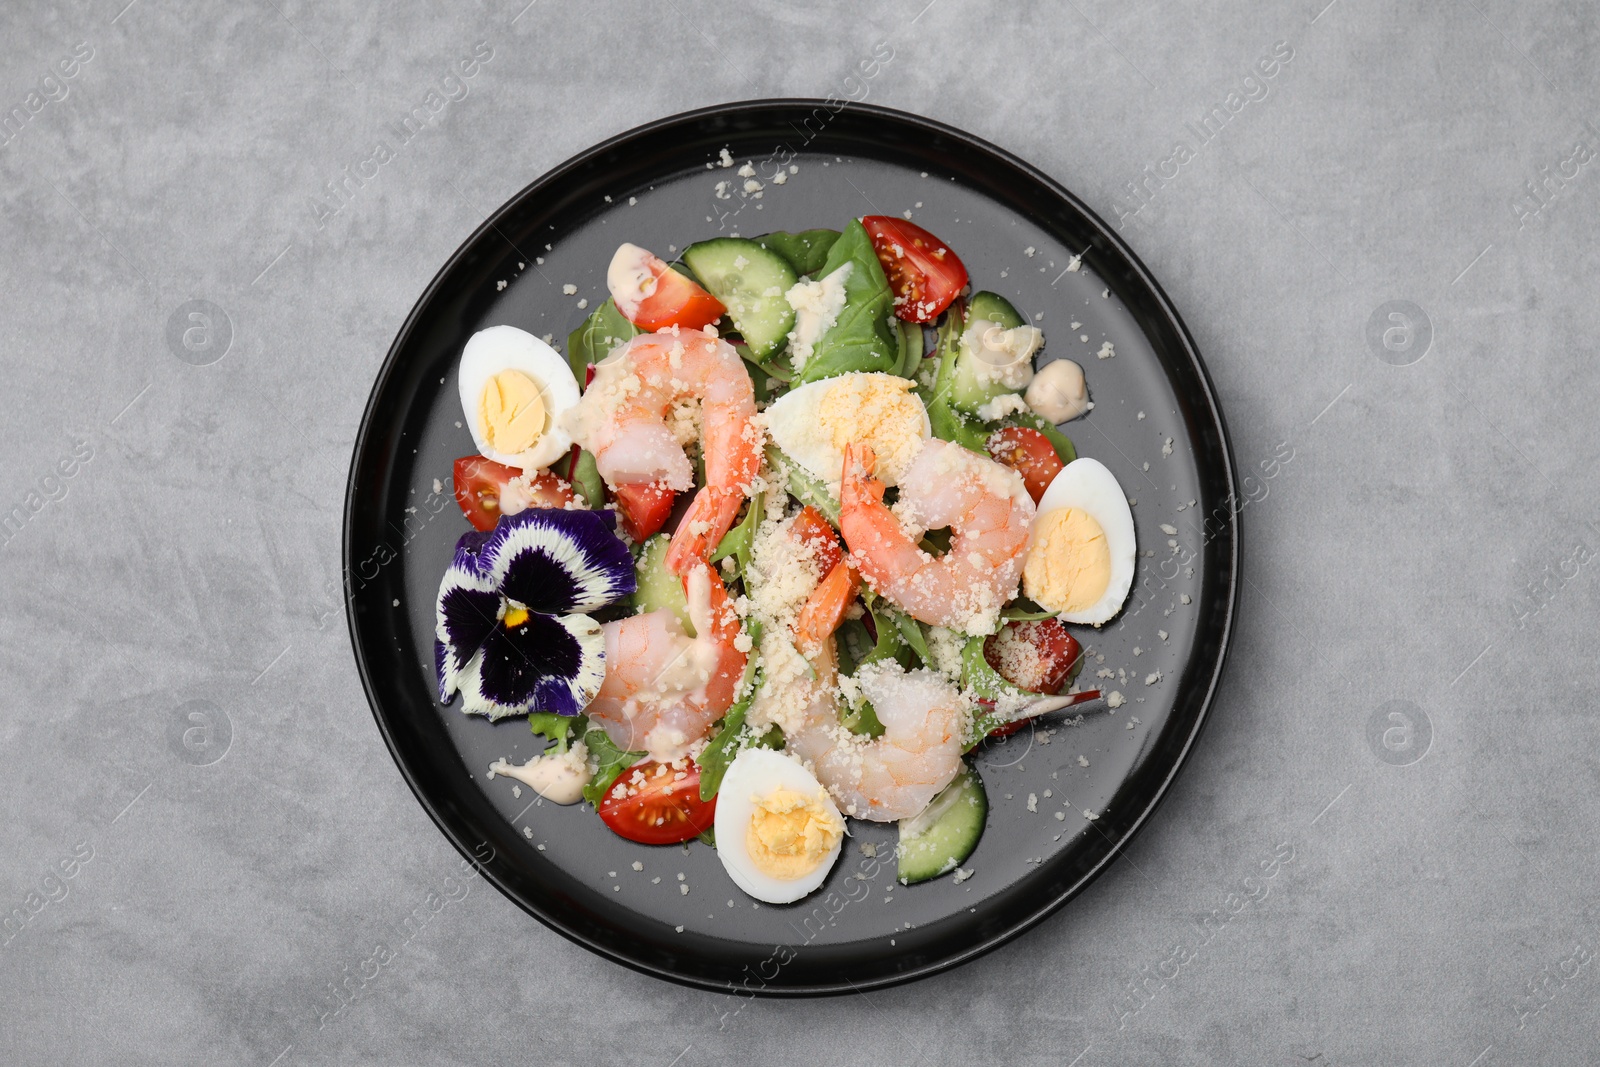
(487, 353)
(760, 772)
(1087, 485)
(793, 423)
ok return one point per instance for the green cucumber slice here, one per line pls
(658, 587)
(751, 282)
(970, 389)
(941, 838)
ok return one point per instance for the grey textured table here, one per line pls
(204, 832)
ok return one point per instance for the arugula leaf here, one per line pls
(596, 336)
(715, 758)
(611, 759)
(910, 334)
(556, 729)
(739, 541)
(802, 486)
(863, 338)
(806, 251)
(891, 643)
(1020, 612)
(862, 718)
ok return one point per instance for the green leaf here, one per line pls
(596, 336)
(910, 334)
(739, 541)
(611, 759)
(862, 718)
(891, 643)
(802, 486)
(586, 481)
(949, 424)
(1058, 440)
(1018, 613)
(806, 251)
(725, 744)
(708, 836)
(556, 729)
(863, 337)
(980, 678)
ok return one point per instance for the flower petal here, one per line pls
(546, 664)
(557, 561)
(465, 613)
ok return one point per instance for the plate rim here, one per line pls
(1230, 607)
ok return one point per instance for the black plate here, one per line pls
(653, 186)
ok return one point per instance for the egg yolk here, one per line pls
(876, 411)
(511, 412)
(1069, 564)
(791, 834)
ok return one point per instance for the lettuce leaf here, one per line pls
(806, 251)
(596, 336)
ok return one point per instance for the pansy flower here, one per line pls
(511, 631)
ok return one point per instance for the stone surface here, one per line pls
(182, 706)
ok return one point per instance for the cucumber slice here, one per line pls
(970, 386)
(995, 308)
(941, 838)
(751, 282)
(658, 587)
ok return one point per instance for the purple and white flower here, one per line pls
(511, 632)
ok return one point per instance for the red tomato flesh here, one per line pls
(675, 301)
(1029, 453)
(654, 804)
(1036, 655)
(480, 483)
(924, 274)
(644, 509)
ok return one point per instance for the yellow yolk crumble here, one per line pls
(874, 410)
(511, 412)
(791, 833)
(1069, 563)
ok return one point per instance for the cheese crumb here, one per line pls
(1152, 678)
(1033, 802)
(1168, 529)
(1115, 700)
(724, 158)
(638, 866)
(962, 874)
(1107, 350)
(569, 289)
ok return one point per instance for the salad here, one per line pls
(789, 531)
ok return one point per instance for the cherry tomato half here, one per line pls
(1029, 453)
(654, 804)
(1036, 655)
(644, 508)
(675, 301)
(481, 483)
(924, 274)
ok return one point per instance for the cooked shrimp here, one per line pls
(663, 689)
(635, 416)
(926, 721)
(985, 505)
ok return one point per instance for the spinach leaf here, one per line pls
(806, 251)
(586, 481)
(611, 759)
(863, 338)
(1060, 441)
(596, 336)
(556, 729)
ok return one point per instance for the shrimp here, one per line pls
(664, 689)
(988, 510)
(636, 413)
(926, 721)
